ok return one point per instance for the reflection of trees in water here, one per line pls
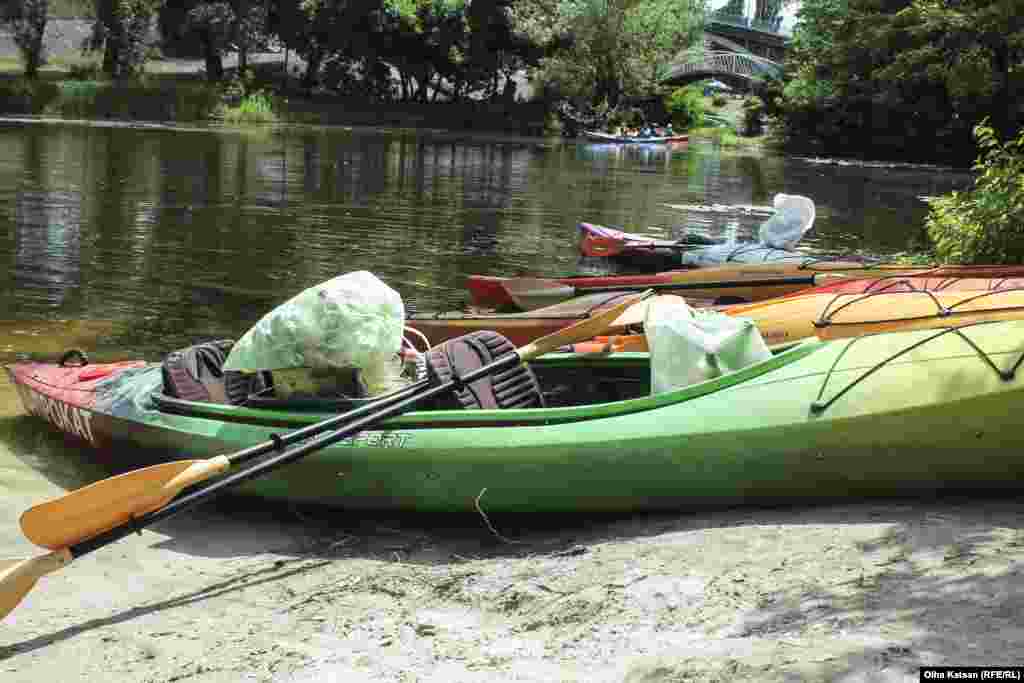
(751, 170)
(616, 155)
(47, 223)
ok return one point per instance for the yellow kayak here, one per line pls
(831, 316)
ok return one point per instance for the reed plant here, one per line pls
(256, 107)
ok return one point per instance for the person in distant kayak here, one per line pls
(668, 129)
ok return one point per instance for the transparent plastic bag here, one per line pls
(350, 321)
(793, 217)
(689, 346)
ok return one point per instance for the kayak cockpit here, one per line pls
(574, 387)
(194, 377)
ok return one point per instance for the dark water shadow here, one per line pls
(61, 460)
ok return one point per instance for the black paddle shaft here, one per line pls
(279, 442)
(398, 404)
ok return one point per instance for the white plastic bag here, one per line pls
(688, 346)
(793, 217)
(351, 321)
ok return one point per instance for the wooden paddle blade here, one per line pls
(529, 293)
(109, 503)
(18, 576)
(581, 331)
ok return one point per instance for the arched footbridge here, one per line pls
(726, 66)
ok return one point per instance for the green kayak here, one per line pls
(885, 414)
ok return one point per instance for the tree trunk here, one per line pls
(214, 62)
(110, 57)
(242, 35)
(312, 74)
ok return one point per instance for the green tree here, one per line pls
(904, 75)
(26, 20)
(213, 24)
(621, 46)
(686, 106)
(122, 30)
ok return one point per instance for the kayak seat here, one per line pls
(196, 374)
(516, 387)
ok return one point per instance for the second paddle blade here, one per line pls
(18, 576)
(88, 511)
(532, 293)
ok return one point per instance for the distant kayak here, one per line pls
(620, 139)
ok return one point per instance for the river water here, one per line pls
(129, 241)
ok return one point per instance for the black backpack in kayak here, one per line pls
(516, 387)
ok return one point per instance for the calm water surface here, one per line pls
(133, 241)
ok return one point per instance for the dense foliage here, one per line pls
(686, 107)
(413, 50)
(903, 77)
(618, 47)
(985, 225)
(26, 21)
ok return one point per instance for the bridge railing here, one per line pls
(773, 25)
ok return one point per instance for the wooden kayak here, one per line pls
(840, 316)
(724, 284)
(818, 420)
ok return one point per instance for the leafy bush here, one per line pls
(719, 101)
(719, 135)
(986, 224)
(85, 71)
(686, 107)
(257, 107)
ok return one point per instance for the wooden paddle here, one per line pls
(533, 293)
(107, 511)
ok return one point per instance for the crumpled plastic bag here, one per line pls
(689, 346)
(353, 320)
(793, 217)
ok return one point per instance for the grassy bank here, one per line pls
(152, 99)
(69, 87)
